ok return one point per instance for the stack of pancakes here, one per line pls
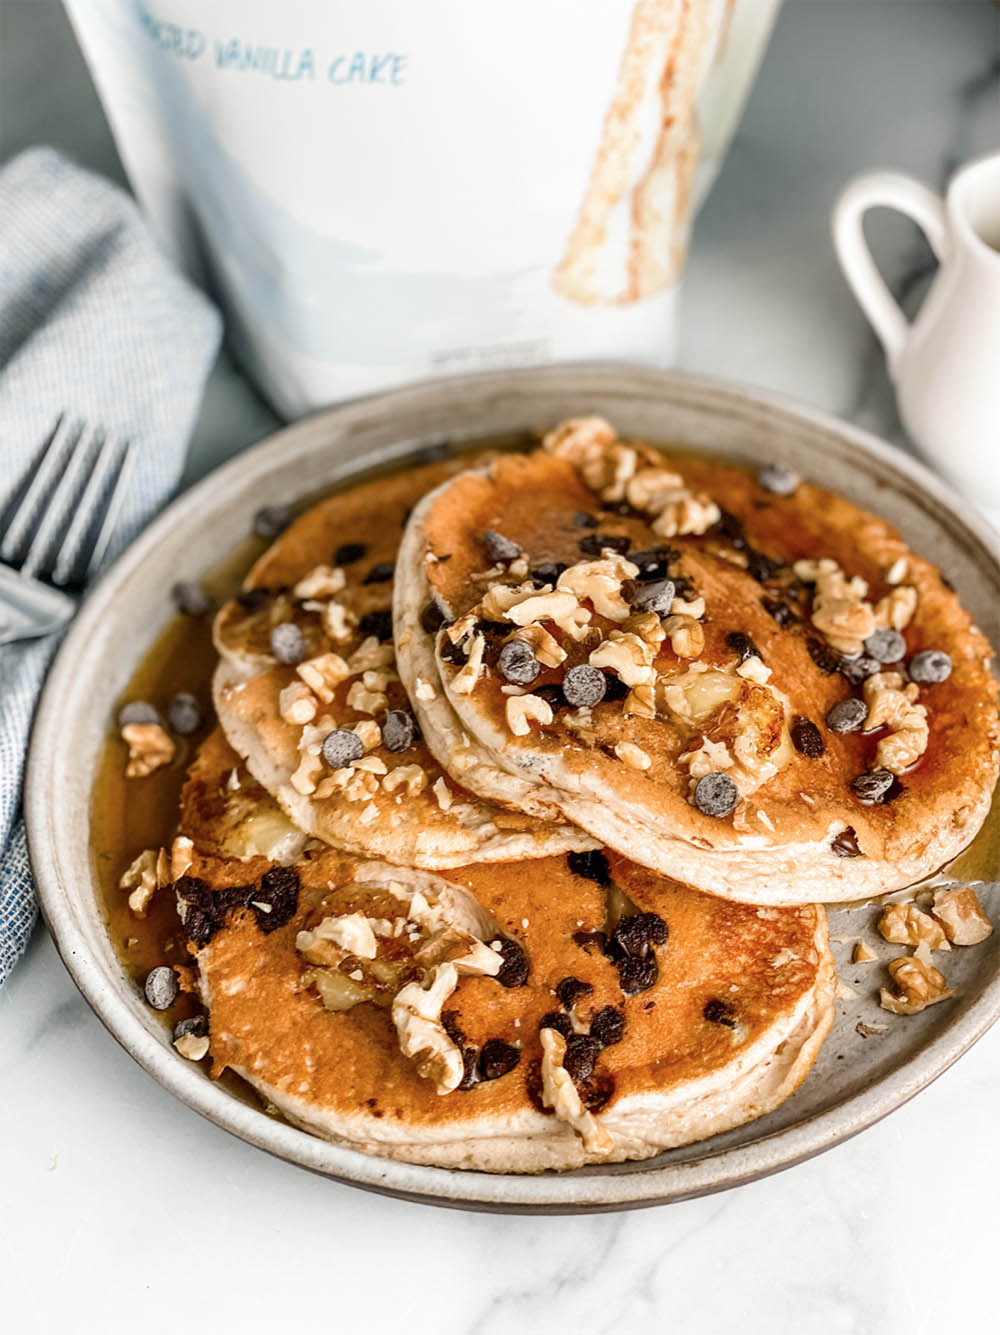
(532, 774)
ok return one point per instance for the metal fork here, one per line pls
(58, 528)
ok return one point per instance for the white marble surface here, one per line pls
(120, 1210)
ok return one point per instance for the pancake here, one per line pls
(712, 756)
(681, 1039)
(327, 582)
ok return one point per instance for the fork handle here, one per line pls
(29, 608)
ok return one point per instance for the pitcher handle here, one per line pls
(891, 190)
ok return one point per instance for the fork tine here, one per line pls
(63, 436)
(59, 508)
(70, 559)
(115, 503)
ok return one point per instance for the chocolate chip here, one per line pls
(717, 1012)
(845, 844)
(595, 543)
(184, 714)
(874, 786)
(584, 686)
(885, 644)
(584, 520)
(847, 715)
(806, 737)
(161, 988)
(349, 552)
(515, 968)
(783, 614)
(380, 572)
(498, 548)
(548, 572)
(716, 795)
(190, 598)
(930, 666)
(582, 1052)
(653, 562)
(517, 663)
(200, 925)
(252, 600)
(608, 1026)
(592, 864)
(377, 623)
(271, 520)
(137, 711)
(778, 480)
(435, 615)
(730, 527)
(456, 652)
(761, 567)
(559, 1021)
(470, 1073)
(570, 990)
(195, 1024)
(279, 890)
(193, 890)
(655, 597)
(636, 932)
(288, 644)
(342, 746)
(637, 975)
(398, 730)
(497, 1058)
(857, 668)
(826, 659)
(743, 645)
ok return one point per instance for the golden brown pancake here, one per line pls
(397, 804)
(731, 1010)
(736, 678)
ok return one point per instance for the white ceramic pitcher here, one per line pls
(946, 364)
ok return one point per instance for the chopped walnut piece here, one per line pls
(442, 793)
(579, 438)
(141, 880)
(307, 774)
(862, 954)
(424, 690)
(897, 571)
(297, 704)
(323, 675)
(370, 765)
(544, 646)
(907, 925)
(465, 680)
(192, 1046)
(687, 638)
(600, 581)
(181, 857)
(413, 777)
(897, 608)
(522, 708)
(633, 756)
(961, 916)
(149, 748)
(321, 582)
(918, 985)
(364, 699)
(628, 656)
(542, 607)
(893, 706)
(338, 622)
(641, 701)
(497, 601)
(688, 513)
(561, 1095)
(648, 626)
(839, 611)
(371, 653)
(651, 489)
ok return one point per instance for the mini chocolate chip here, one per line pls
(380, 572)
(456, 652)
(497, 1058)
(653, 562)
(288, 644)
(161, 988)
(349, 552)
(783, 614)
(930, 666)
(655, 597)
(515, 968)
(570, 990)
(614, 688)
(252, 600)
(184, 714)
(137, 711)
(608, 1026)
(742, 644)
(559, 1021)
(342, 746)
(193, 890)
(857, 668)
(470, 1074)
(487, 627)
(499, 548)
(847, 715)
(761, 567)
(584, 520)
(279, 890)
(637, 975)
(717, 1012)
(592, 864)
(582, 1052)
(636, 932)
(779, 480)
(548, 572)
(200, 925)
(886, 644)
(195, 1024)
(435, 615)
(845, 844)
(728, 526)
(271, 520)
(584, 686)
(806, 737)
(517, 663)
(190, 598)
(826, 659)
(398, 730)
(716, 795)
(874, 786)
(377, 623)
(595, 543)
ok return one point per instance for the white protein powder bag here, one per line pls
(378, 190)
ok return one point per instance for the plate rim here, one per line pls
(628, 1186)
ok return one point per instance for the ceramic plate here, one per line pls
(856, 1080)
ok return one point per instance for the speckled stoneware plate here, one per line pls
(856, 1079)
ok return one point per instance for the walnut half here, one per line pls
(918, 985)
(961, 916)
